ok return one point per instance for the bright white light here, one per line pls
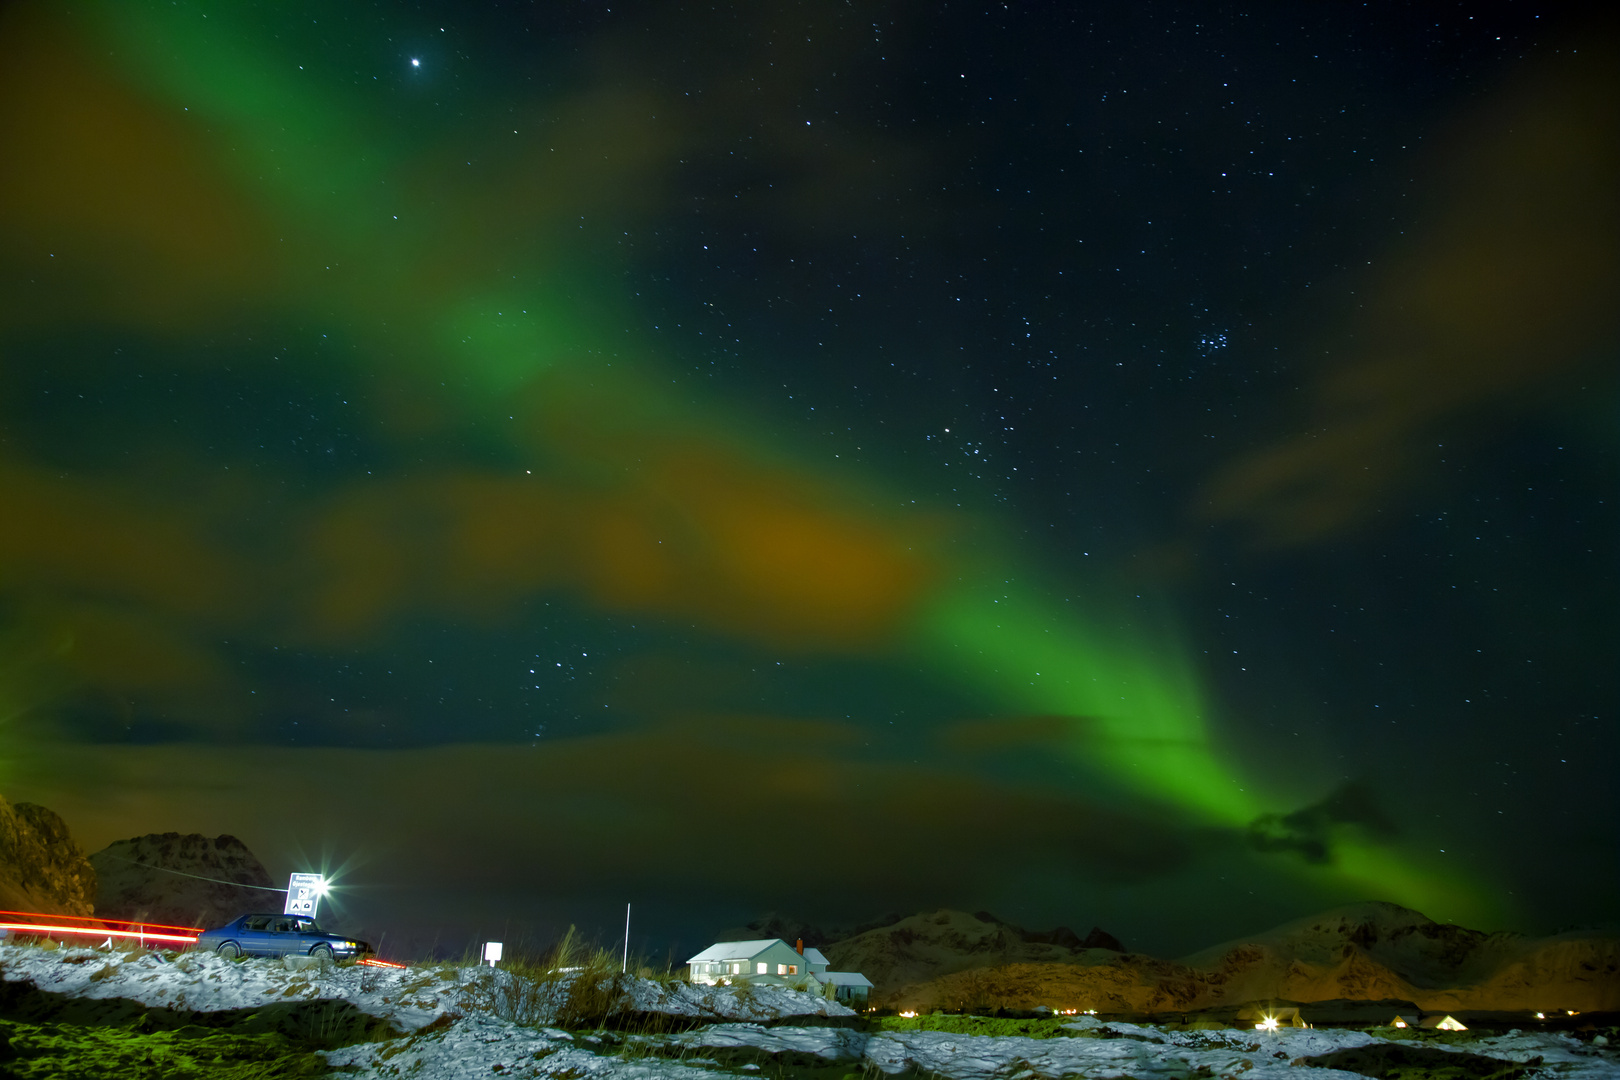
(1268, 1024)
(415, 62)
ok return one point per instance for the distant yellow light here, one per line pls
(1400, 1023)
(1448, 1024)
(1268, 1024)
(908, 1015)
(1541, 1016)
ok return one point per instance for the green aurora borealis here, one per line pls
(412, 518)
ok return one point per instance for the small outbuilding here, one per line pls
(1443, 1023)
(850, 987)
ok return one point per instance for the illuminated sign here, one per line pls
(492, 952)
(304, 892)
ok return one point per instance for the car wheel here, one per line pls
(230, 950)
(321, 952)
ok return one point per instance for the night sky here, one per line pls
(1143, 465)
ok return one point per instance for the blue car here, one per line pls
(279, 935)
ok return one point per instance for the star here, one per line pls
(415, 62)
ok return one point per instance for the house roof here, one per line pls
(844, 978)
(813, 956)
(735, 950)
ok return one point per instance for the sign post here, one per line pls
(304, 892)
(492, 952)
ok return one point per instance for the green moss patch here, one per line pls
(61, 1051)
(45, 1034)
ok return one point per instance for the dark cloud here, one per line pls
(1501, 303)
(1310, 832)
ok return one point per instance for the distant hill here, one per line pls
(790, 929)
(1363, 952)
(41, 867)
(928, 945)
(165, 878)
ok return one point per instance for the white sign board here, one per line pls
(304, 894)
(492, 952)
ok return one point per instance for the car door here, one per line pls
(281, 936)
(252, 933)
(307, 936)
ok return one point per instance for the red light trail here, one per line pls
(39, 922)
(192, 930)
(95, 932)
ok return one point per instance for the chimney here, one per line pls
(800, 946)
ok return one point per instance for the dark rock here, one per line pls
(774, 925)
(184, 880)
(1061, 936)
(1401, 1060)
(41, 867)
(790, 929)
(1102, 939)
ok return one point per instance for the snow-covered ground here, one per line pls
(408, 999)
(454, 1022)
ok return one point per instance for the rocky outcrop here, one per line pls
(182, 880)
(41, 867)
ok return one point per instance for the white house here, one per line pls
(769, 960)
(775, 962)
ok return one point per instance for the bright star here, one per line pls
(416, 63)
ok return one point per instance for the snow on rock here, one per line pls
(482, 1046)
(455, 1022)
(409, 999)
(745, 1043)
(204, 982)
(554, 1000)
(978, 1057)
(760, 1003)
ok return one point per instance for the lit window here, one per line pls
(793, 969)
(759, 968)
(781, 969)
